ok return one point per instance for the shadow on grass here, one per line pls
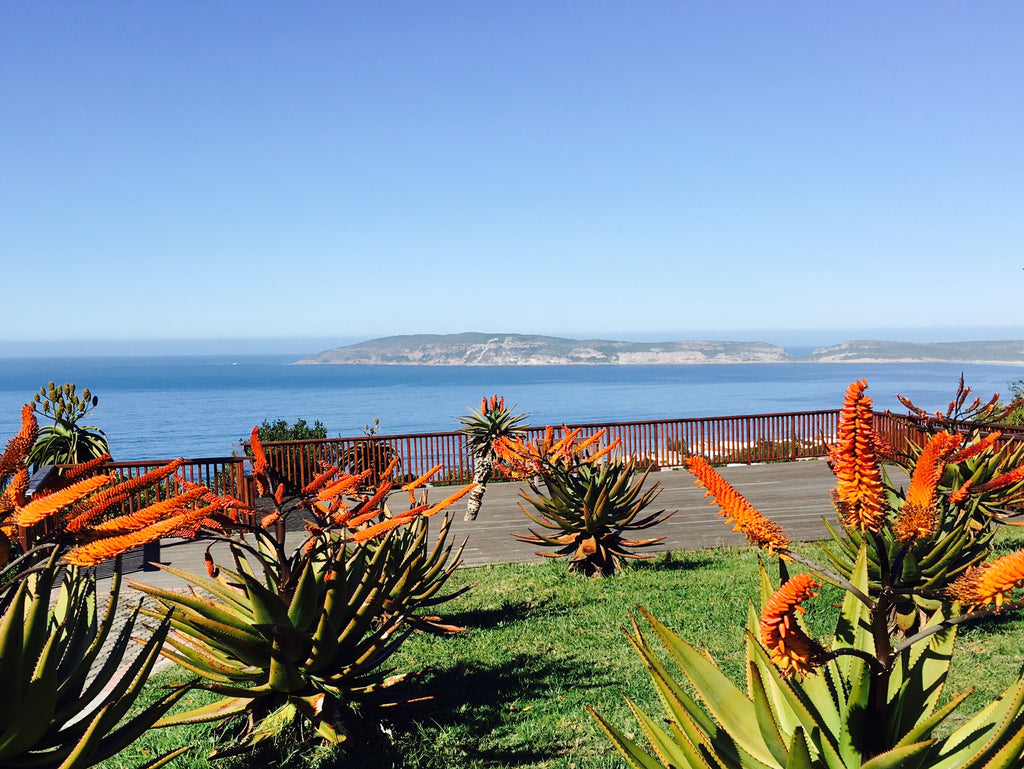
(488, 619)
(671, 562)
(475, 707)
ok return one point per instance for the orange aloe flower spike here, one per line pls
(859, 495)
(93, 553)
(114, 495)
(43, 507)
(789, 646)
(423, 478)
(320, 480)
(18, 447)
(447, 501)
(342, 485)
(380, 528)
(929, 468)
(989, 582)
(1001, 481)
(85, 468)
(968, 452)
(148, 515)
(918, 518)
(597, 455)
(259, 457)
(759, 530)
(13, 496)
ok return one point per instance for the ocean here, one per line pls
(160, 407)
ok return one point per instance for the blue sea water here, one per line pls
(197, 406)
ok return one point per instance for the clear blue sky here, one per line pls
(642, 170)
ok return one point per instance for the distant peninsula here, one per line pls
(476, 349)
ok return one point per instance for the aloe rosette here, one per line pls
(304, 637)
(493, 422)
(590, 510)
(64, 704)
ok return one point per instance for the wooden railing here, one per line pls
(656, 443)
(659, 443)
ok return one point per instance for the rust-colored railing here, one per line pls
(656, 443)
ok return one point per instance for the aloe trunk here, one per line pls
(483, 465)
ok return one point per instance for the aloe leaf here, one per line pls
(805, 709)
(923, 728)
(199, 606)
(37, 706)
(211, 586)
(728, 704)
(766, 716)
(668, 751)
(214, 711)
(12, 638)
(304, 607)
(635, 756)
(799, 752)
(969, 744)
(854, 722)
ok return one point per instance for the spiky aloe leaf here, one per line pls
(727, 704)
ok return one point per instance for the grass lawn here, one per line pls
(541, 644)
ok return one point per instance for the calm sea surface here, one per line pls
(163, 407)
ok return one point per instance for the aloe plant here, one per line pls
(66, 441)
(64, 704)
(588, 505)
(589, 513)
(305, 634)
(493, 422)
(863, 699)
(862, 706)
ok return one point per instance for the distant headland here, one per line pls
(477, 349)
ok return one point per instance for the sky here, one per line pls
(252, 173)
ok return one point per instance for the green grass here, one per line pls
(541, 644)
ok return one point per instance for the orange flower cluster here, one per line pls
(918, 518)
(968, 452)
(989, 582)
(1002, 481)
(759, 530)
(789, 646)
(335, 500)
(14, 456)
(494, 404)
(519, 459)
(859, 496)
